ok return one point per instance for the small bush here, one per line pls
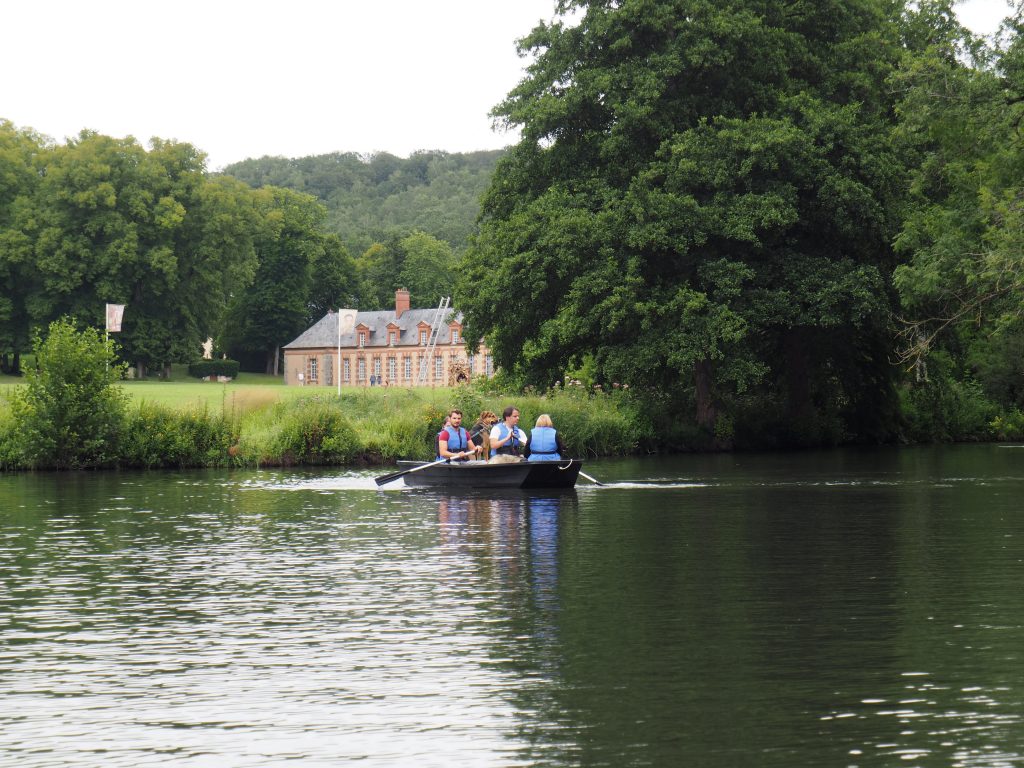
(160, 437)
(1008, 426)
(945, 410)
(200, 369)
(69, 415)
(307, 431)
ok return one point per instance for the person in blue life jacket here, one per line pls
(508, 441)
(545, 442)
(454, 442)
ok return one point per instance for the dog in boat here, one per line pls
(482, 430)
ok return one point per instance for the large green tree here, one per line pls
(290, 245)
(420, 262)
(116, 223)
(19, 179)
(702, 201)
(961, 110)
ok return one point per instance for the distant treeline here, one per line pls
(373, 198)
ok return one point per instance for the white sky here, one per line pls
(246, 78)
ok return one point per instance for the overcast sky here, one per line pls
(246, 78)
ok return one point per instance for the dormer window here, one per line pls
(362, 338)
(392, 338)
(423, 337)
(455, 335)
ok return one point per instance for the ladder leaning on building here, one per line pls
(435, 329)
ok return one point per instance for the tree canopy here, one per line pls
(702, 201)
(101, 220)
(370, 199)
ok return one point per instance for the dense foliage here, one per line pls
(407, 220)
(702, 202)
(100, 220)
(962, 284)
(375, 198)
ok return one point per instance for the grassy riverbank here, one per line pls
(259, 422)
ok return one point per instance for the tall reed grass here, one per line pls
(362, 427)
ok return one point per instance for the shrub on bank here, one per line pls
(595, 425)
(200, 369)
(945, 410)
(69, 415)
(1008, 426)
(311, 430)
(156, 436)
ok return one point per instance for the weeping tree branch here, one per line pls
(915, 336)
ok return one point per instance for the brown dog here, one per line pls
(483, 425)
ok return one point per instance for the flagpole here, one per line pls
(338, 368)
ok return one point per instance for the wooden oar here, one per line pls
(395, 475)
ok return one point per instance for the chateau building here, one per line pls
(404, 347)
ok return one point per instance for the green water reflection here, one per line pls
(841, 608)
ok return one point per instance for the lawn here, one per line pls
(249, 392)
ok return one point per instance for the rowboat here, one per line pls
(480, 474)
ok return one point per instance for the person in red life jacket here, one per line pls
(454, 442)
(545, 442)
(507, 439)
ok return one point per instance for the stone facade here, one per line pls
(383, 348)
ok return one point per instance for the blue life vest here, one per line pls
(513, 446)
(457, 442)
(543, 446)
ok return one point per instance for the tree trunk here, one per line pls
(16, 367)
(140, 370)
(799, 408)
(277, 358)
(707, 413)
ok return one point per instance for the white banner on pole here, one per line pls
(115, 312)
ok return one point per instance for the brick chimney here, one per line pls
(401, 302)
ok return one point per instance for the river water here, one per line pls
(846, 608)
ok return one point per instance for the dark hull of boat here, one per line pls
(477, 476)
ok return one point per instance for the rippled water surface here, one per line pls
(844, 608)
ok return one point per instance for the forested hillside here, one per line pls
(371, 199)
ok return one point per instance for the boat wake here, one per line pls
(322, 484)
(653, 484)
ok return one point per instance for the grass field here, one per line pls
(250, 392)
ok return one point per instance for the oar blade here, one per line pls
(384, 479)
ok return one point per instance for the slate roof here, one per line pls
(324, 333)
